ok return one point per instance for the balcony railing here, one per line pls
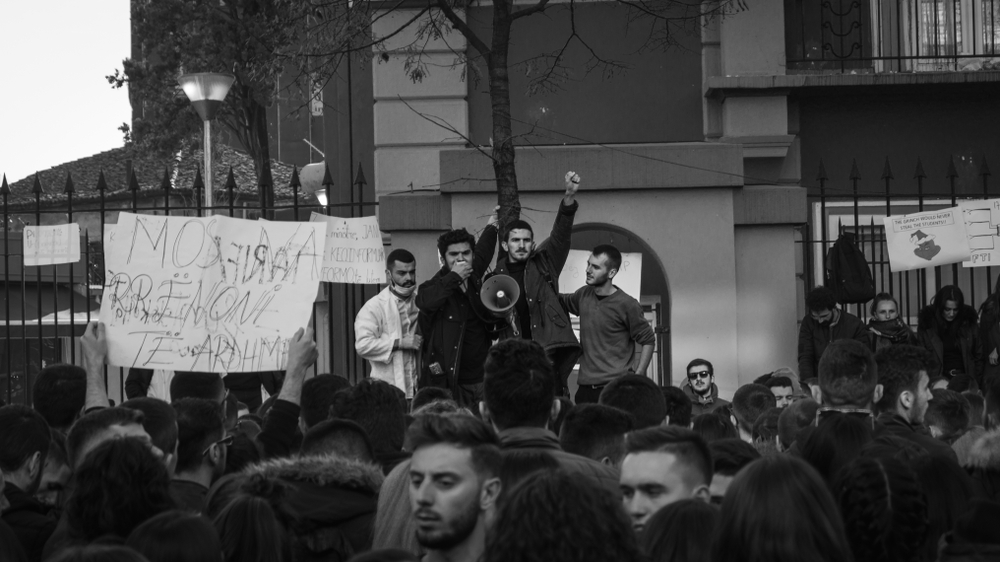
(892, 35)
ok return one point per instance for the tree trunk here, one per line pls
(503, 141)
(260, 151)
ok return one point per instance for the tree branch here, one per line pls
(539, 7)
(459, 24)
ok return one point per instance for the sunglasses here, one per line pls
(699, 375)
(227, 441)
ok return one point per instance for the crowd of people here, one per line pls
(464, 444)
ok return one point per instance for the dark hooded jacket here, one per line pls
(968, 334)
(703, 405)
(984, 463)
(333, 500)
(30, 521)
(550, 324)
(814, 337)
(891, 423)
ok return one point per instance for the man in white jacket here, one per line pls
(386, 326)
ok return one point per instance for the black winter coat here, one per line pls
(972, 347)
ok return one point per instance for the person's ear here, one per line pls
(666, 420)
(484, 412)
(905, 399)
(503, 245)
(612, 273)
(489, 493)
(556, 408)
(877, 394)
(817, 393)
(607, 461)
(936, 432)
(702, 493)
(35, 464)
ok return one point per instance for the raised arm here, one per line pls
(95, 351)
(486, 247)
(558, 244)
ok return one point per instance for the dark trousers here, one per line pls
(588, 393)
(469, 395)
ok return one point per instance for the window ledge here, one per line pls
(720, 85)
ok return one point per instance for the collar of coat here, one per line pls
(323, 470)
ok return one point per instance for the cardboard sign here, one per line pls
(926, 239)
(628, 278)
(354, 252)
(51, 245)
(212, 294)
(982, 224)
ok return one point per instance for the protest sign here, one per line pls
(628, 278)
(926, 239)
(51, 245)
(213, 294)
(354, 252)
(982, 224)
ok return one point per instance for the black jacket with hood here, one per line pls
(968, 338)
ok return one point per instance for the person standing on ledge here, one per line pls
(824, 324)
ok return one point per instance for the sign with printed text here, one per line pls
(354, 252)
(926, 239)
(628, 278)
(51, 245)
(982, 225)
(213, 294)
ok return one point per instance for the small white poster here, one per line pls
(926, 239)
(982, 224)
(354, 252)
(628, 278)
(51, 245)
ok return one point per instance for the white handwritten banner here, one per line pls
(212, 294)
(926, 239)
(51, 245)
(982, 224)
(628, 278)
(354, 252)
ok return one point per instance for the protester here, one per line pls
(729, 456)
(429, 394)
(681, 531)
(611, 325)
(597, 432)
(989, 326)
(24, 444)
(984, 463)
(765, 432)
(825, 323)
(678, 406)
(175, 535)
(714, 426)
(343, 439)
(848, 380)
(782, 389)
(794, 419)
(518, 464)
(254, 525)
(949, 329)
(749, 403)
(976, 427)
(59, 394)
(701, 389)
(159, 419)
(373, 405)
(948, 491)
(208, 386)
(317, 397)
(835, 443)
(637, 395)
(202, 447)
(885, 327)
(386, 326)
(55, 475)
(947, 415)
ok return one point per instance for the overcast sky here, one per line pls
(57, 105)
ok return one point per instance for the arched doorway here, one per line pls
(654, 289)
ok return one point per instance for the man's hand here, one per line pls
(463, 269)
(993, 357)
(572, 184)
(94, 343)
(411, 342)
(302, 352)
(493, 217)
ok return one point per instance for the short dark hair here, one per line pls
(686, 445)
(452, 237)
(780, 381)
(948, 411)
(899, 368)
(317, 397)
(793, 419)
(518, 384)
(765, 427)
(158, 538)
(191, 384)
(200, 423)
(342, 438)
(518, 224)
(85, 429)
(962, 382)
(821, 298)
(462, 431)
(678, 406)
(59, 394)
(749, 402)
(373, 405)
(614, 256)
(637, 395)
(400, 255)
(596, 431)
(705, 362)
(712, 426)
(847, 374)
(729, 456)
(159, 421)
(977, 407)
(429, 394)
(24, 433)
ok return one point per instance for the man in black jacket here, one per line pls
(455, 325)
(24, 443)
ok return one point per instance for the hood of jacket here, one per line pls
(324, 471)
(985, 452)
(927, 319)
(713, 394)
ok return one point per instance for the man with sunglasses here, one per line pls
(701, 389)
(201, 451)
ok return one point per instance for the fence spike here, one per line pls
(265, 179)
(37, 187)
(821, 173)
(984, 169)
(4, 188)
(165, 184)
(133, 182)
(230, 180)
(69, 183)
(359, 179)
(327, 179)
(952, 172)
(102, 184)
(855, 174)
(919, 172)
(295, 184)
(887, 171)
(198, 182)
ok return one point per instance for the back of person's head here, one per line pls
(779, 509)
(899, 370)
(713, 426)
(962, 382)
(159, 419)
(341, 438)
(317, 397)
(556, 516)
(766, 426)
(687, 447)
(947, 415)
(118, 486)
(463, 432)
(637, 395)
(190, 384)
(848, 375)
(176, 535)
(948, 491)
(93, 427)
(59, 394)
(373, 405)
(254, 526)
(25, 439)
(517, 464)
(820, 299)
(597, 432)
(98, 553)
(977, 408)
(729, 456)
(749, 402)
(678, 406)
(429, 394)
(795, 418)
(518, 384)
(835, 443)
(241, 453)
(681, 531)
(883, 510)
(200, 423)
(440, 407)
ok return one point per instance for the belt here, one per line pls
(593, 386)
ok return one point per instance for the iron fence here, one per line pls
(47, 308)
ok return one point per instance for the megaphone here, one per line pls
(499, 294)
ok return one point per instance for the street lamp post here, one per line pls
(206, 90)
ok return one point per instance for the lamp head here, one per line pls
(206, 90)
(311, 177)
